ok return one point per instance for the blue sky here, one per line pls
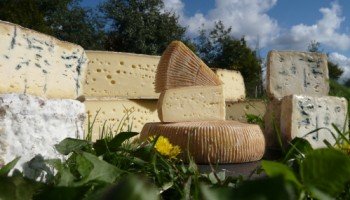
(276, 24)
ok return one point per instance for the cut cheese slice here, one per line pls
(302, 114)
(212, 141)
(180, 67)
(303, 73)
(233, 82)
(119, 115)
(196, 103)
(38, 64)
(120, 75)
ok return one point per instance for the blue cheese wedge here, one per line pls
(38, 64)
(290, 72)
(301, 115)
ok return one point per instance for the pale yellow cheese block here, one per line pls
(237, 110)
(120, 75)
(212, 141)
(114, 113)
(272, 120)
(38, 64)
(195, 103)
(234, 89)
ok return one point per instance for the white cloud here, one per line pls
(343, 62)
(176, 6)
(325, 31)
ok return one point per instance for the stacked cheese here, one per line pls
(192, 110)
(297, 84)
(120, 92)
(35, 67)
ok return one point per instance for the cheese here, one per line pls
(214, 141)
(291, 72)
(196, 103)
(238, 110)
(180, 67)
(233, 83)
(303, 114)
(31, 126)
(272, 119)
(114, 113)
(120, 75)
(38, 64)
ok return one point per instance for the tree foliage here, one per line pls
(64, 19)
(140, 26)
(219, 49)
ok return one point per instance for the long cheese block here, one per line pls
(180, 67)
(234, 89)
(303, 114)
(38, 64)
(291, 72)
(31, 126)
(272, 119)
(238, 110)
(196, 103)
(120, 75)
(212, 141)
(114, 114)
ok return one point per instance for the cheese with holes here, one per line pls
(291, 72)
(238, 110)
(233, 83)
(212, 141)
(119, 114)
(196, 103)
(120, 75)
(272, 119)
(38, 64)
(302, 114)
(31, 126)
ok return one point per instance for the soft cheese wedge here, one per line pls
(116, 75)
(302, 114)
(196, 103)
(38, 64)
(212, 141)
(234, 89)
(290, 72)
(180, 67)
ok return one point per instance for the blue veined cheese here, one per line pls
(302, 114)
(38, 64)
(31, 126)
(290, 72)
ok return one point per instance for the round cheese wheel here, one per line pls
(212, 141)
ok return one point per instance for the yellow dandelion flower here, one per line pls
(165, 148)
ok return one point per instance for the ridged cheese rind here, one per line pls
(291, 72)
(301, 114)
(116, 75)
(196, 103)
(212, 141)
(31, 126)
(38, 64)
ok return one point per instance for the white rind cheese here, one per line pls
(291, 72)
(31, 126)
(234, 89)
(196, 103)
(303, 114)
(238, 110)
(120, 75)
(113, 113)
(38, 64)
(212, 141)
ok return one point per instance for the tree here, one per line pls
(334, 70)
(64, 19)
(140, 26)
(219, 49)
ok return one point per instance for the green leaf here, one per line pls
(64, 176)
(326, 170)
(17, 187)
(276, 169)
(70, 144)
(64, 193)
(121, 137)
(101, 170)
(7, 168)
(298, 147)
